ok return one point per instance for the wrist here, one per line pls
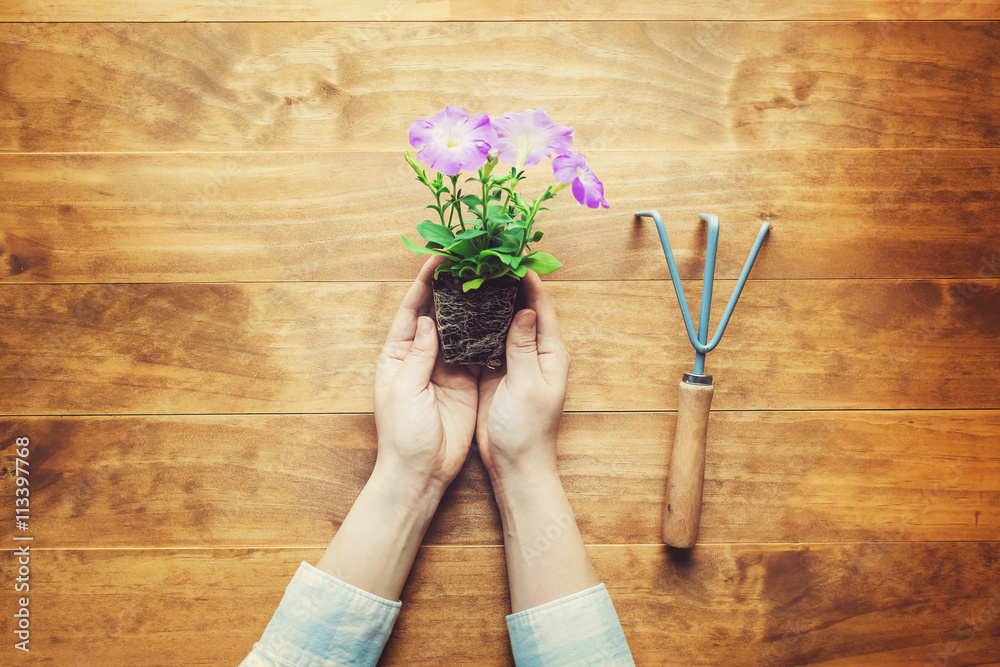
(523, 487)
(375, 546)
(535, 463)
(404, 489)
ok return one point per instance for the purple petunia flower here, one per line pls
(451, 142)
(587, 189)
(528, 138)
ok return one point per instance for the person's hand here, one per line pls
(520, 403)
(425, 410)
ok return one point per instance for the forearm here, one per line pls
(546, 559)
(378, 540)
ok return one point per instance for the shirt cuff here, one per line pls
(579, 629)
(323, 621)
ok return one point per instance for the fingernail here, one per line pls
(425, 325)
(526, 320)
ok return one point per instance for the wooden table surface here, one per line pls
(200, 206)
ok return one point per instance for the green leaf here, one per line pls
(519, 271)
(510, 240)
(491, 262)
(541, 262)
(421, 250)
(470, 200)
(462, 247)
(435, 232)
(447, 266)
(497, 214)
(472, 284)
(470, 234)
(536, 237)
(511, 260)
(490, 259)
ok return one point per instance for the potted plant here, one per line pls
(484, 226)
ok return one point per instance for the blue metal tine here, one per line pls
(699, 340)
(706, 291)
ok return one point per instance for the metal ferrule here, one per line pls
(696, 378)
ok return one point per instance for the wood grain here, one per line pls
(630, 85)
(836, 604)
(280, 480)
(337, 216)
(483, 10)
(686, 479)
(311, 347)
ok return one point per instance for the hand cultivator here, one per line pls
(682, 510)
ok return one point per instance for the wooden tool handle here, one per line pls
(682, 510)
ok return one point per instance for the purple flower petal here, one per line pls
(528, 138)
(450, 141)
(565, 166)
(587, 188)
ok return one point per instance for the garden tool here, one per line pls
(682, 509)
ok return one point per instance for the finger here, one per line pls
(417, 302)
(489, 380)
(536, 298)
(522, 348)
(452, 375)
(415, 371)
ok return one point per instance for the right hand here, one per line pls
(520, 403)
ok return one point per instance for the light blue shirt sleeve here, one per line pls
(579, 629)
(324, 622)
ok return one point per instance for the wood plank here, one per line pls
(357, 86)
(482, 10)
(268, 480)
(311, 347)
(831, 605)
(309, 216)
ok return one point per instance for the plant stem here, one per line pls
(513, 185)
(530, 222)
(455, 203)
(437, 196)
(486, 200)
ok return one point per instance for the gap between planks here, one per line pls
(566, 412)
(711, 149)
(290, 547)
(551, 280)
(487, 21)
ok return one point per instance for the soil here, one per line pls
(472, 326)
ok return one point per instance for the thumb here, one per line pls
(522, 346)
(417, 366)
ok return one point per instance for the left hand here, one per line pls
(425, 410)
